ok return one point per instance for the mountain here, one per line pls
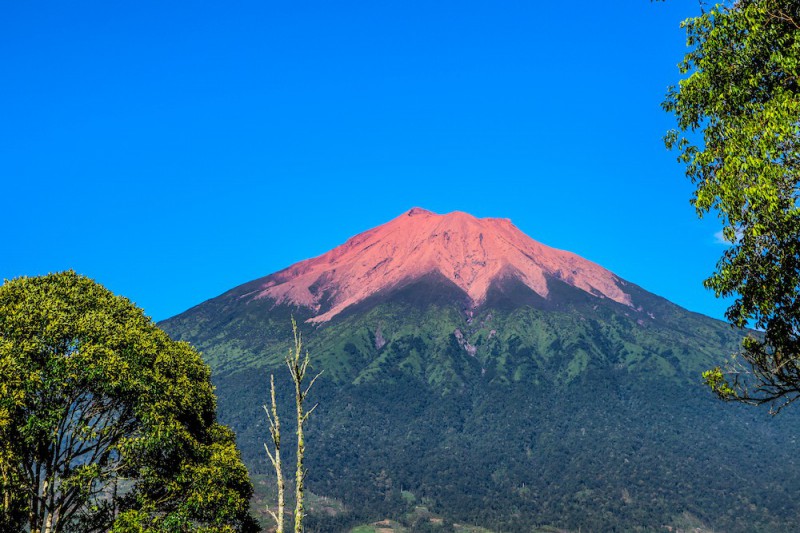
(496, 381)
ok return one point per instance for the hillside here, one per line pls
(519, 388)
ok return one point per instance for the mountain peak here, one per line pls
(414, 211)
(471, 252)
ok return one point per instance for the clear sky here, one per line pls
(173, 150)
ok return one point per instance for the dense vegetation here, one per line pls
(738, 115)
(572, 411)
(105, 422)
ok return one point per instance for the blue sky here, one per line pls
(173, 150)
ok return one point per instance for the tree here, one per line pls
(298, 365)
(275, 457)
(105, 422)
(738, 115)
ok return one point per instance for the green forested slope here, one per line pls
(572, 411)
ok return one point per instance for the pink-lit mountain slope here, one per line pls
(470, 252)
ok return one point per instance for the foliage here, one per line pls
(106, 423)
(742, 96)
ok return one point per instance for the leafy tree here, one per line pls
(105, 422)
(738, 115)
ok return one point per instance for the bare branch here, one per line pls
(269, 454)
(783, 16)
(308, 413)
(310, 384)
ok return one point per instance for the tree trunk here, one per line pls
(275, 432)
(300, 474)
(297, 368)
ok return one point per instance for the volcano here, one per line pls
(473, 375)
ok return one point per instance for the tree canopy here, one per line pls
(738, 114)
(105, 422)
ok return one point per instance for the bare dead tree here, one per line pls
(298, 365)
(275, 458)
